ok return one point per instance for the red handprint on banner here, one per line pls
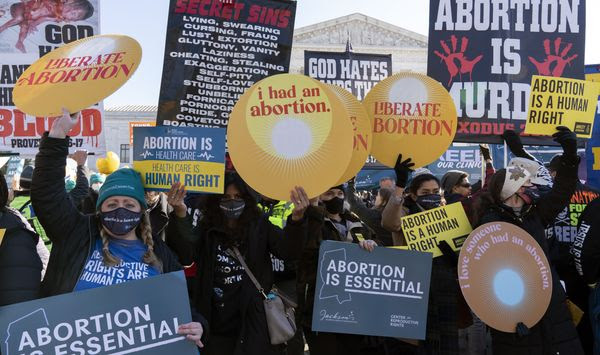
(464, 65)
(544, 68)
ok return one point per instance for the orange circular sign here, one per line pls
(77, 75)
(361, 124)
(411, 114)
(505, 276)
(289, 130)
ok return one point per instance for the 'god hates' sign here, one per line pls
(410, 111)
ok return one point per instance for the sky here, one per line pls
(146, 21)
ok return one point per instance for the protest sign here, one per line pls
(424, 231)
(192, 156)
(355, 72)
(485, 54)
(504, 276)
(410, 111)
(132, 125)
(28, 31)
(459, 156)
(107, 320)
(561, 102)
(290, 130)
(592, 151)
(14, 168)
(77, 75)
(215, 51)
(382, 293)
(361, 126)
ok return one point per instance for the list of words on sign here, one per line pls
(215, 51)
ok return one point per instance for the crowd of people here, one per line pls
(54, 238)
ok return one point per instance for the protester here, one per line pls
(371, 216)
(540, 177)
(511, 199)
(224, 292)
(88, 203)
(20, 265)
(119, 235)
(387, 182)
(284, 274)
(328, 221)
(561, 234)
(586, 254)
(456, 186)
(424, 193)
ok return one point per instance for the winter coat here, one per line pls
(20, 264)
(555, 333)
(261, 239)
(73, 234)
(444, 298)
(370, 216)
(321, 228)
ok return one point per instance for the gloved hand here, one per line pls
(403, 170)
(449, 254)
(567, 140)
(513, 141)
(522, 330)
(484, 149)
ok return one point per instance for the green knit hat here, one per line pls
(123, 182)
(97, 178)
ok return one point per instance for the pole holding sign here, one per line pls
(192, 156)
(424, 231)
(136, 317)
(382, 293)
(561, 102)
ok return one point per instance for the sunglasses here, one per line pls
(466, 185)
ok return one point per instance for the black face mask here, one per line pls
(429, 202)
(335, 205)
(232, 209)
(121, 221)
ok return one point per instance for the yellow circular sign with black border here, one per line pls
(77, 75)
(411, 114)
(289, 130)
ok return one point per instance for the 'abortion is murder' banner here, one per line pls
(355, 72)
(485, 53)
(215, 51)
(29, 30)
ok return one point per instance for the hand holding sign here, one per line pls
(175, 198)
(567, 140)
(193, 332)
(403, 168)
(301, 202)
(62, 125)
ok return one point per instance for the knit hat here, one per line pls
(452, 178)
(25, 179)
(534, 168)
(69, 185)
(97, 179)
(123, 182)
(515, 178)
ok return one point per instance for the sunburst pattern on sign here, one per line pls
(308, 145)
(411, 114)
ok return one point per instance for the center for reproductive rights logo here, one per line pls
(508, 287)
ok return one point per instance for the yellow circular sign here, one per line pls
(77, 75)
(289, 130)
(504, 276)
(361, 124)
(411, 114)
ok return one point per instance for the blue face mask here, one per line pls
(121, 220)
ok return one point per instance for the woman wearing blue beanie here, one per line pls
(112, 246)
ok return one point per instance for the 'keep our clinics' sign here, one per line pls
(136, 317)
(383, 293)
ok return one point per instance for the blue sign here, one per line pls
(135, 317)
(382, 293)
(192, 156)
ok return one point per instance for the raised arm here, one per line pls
(57, 214)
(82, 185)
(394, 210)
(289, 246)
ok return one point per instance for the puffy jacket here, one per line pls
(263, 238)
(20, 264)
(555, 333)
(72, 233)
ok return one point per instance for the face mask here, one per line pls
(232, 209)
(429, 201)
(335, 205)
(530, 195)
(121, 221)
